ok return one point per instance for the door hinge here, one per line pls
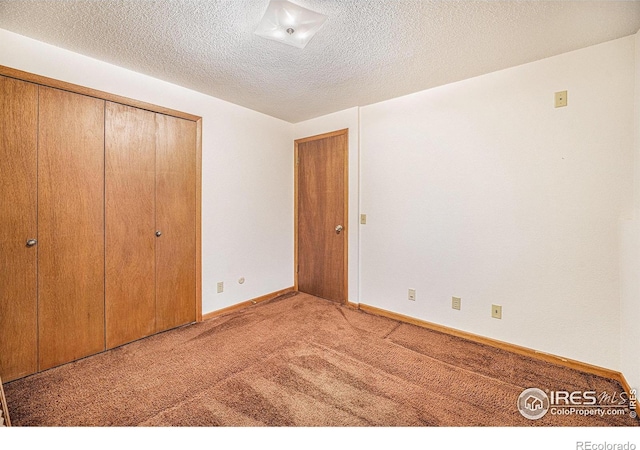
(298, 160)
(298, 268)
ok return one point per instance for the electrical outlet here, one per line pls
(456, 303)
(363, 219)
(496, 311)
(220, 286)
(412, 295)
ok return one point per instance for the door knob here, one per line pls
(339, 228)
(158, 233)
(31, 242)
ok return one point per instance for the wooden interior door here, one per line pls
(70, 227)
(18, 205)
(130, 171)
(321, 213)
(175, 220)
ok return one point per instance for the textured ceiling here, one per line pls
(368, 51)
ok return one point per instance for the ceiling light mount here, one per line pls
(289, 23)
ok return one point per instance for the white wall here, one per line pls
(482, 189)
(630, 260)
(478, 189)
(247, 170)
(325, 124)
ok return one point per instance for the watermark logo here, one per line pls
(533, 403)
(588, 445)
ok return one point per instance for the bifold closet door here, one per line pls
(130, 305)
(175, 220)
(70, 227)
(18, 228)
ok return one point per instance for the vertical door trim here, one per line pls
(296, 177)
(199, 220)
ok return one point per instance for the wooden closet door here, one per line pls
(18, 202)
(175, 219)
(70, 227)
(130, 304)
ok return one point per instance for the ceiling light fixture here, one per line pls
(289, 23)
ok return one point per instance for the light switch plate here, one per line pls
(363, 219)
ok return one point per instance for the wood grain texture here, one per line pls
(176, 219)
(18, 206)
(63, 85)
(321, 195)
(130, 298)
(71, 227)
(71, 193)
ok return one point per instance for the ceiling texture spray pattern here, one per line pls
(367, 51)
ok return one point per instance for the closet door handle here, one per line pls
(158, 233)
(31, 242)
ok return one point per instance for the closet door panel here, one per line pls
(18, 203)
(130, 224)
(175, 206)
(71, 227)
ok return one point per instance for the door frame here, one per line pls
(296, 166)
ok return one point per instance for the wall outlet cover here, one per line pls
(561, 99)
